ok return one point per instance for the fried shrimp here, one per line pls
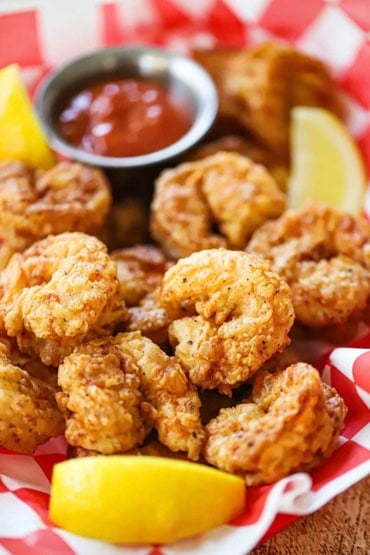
(324, 256)
(173, 403)
(140, 271)
(56, 293)
(150, 318)
(69, 197)
(248, 148)
(29, 415)
(226, 189)
(290, 423)
(259, 86)
(231, 314)
(101, 398)
(32, 365)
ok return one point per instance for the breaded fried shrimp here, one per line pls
(226, 189)
(68, 197)
(29, 415)
(56, 293)
(246, 147)
(290, 423)
(231, 314)
(330, 291)
(140, 270)
(258, 86)
(173, 402)
(101, 398)
(324, 255)
(150, 318)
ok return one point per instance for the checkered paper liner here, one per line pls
(40, 35)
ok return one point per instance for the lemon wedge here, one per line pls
(21, 136)
(326, 163)
(133, 499)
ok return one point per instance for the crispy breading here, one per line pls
(231, 314)
(290, 423)
(259, 86)
(68, 197)
(31, 364)
(324, 255)
(56, 293)
(173, 402)
(226, 189)
(140, 270)
(6, 253)
(248, 147)
(101, 398)
(29, 415)
(150, 318)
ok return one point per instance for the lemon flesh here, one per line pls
(326, 163)
(133, 499)
(21, 136)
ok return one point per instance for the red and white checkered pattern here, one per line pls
(39, 35)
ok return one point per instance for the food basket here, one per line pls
(40, 35)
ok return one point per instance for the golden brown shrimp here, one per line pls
(324, 255)
(150, 318)
(6, 253)
(69, 197)
(173, 402)
(291, 423)
(101, 398)
(250, 149)
(259, 86)
(29, 415)
(32, 365)
(56, 293)
(140, 270)
(231, 313)
(227, 189)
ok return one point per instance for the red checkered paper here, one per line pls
(40, 35)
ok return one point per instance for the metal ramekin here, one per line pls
(188, 81)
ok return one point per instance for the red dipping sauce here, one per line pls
(123, 117)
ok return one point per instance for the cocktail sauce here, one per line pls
(123, 117)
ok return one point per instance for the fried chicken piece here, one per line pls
(101, 398)
(226, 189)
(29, 415)
(324, 255)
(56, 293)
(68, 197)
(231, 314)
(173, 403)
(259, 86)
(290, 423)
